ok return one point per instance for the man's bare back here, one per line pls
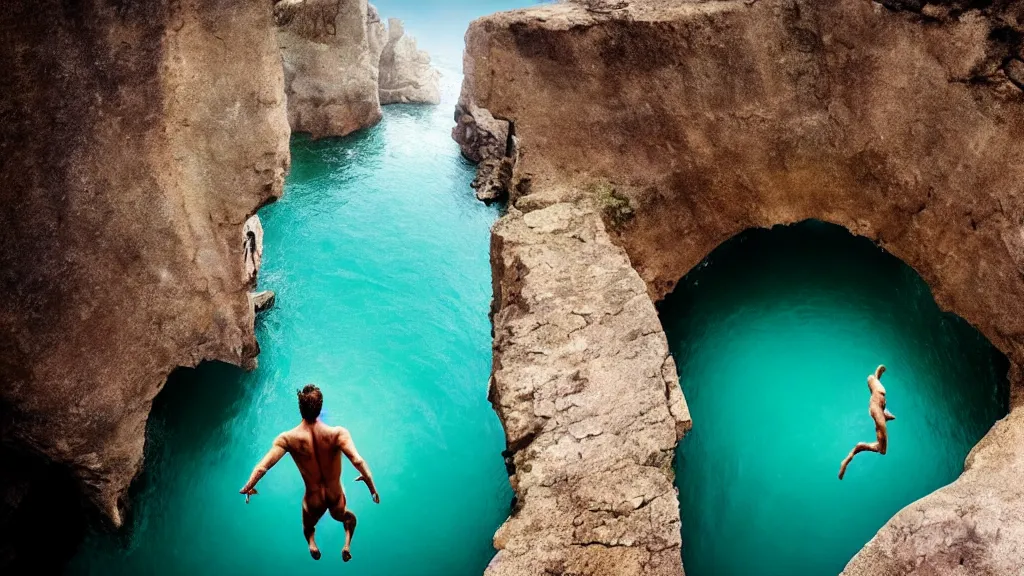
(316, 449)
(878, 412)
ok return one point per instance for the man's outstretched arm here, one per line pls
(275, 454)
(349, 449)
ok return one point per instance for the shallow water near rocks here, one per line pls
(774, 335)
(378, 252)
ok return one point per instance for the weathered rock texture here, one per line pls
(903, 123)
(376, 34)
(341, 64)
(330, 76)
(137, 138)
(589, 397)
(406, 75)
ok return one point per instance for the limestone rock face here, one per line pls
(903, 122)
(330, 76)
(590, 401)
(137, 139)
(406, 75)
(376, 35)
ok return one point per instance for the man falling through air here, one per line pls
(316, 449)
(876, 407)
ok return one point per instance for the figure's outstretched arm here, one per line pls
(277, 451)
(348, 447)
(879, 371)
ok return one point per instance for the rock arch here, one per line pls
(904, 123)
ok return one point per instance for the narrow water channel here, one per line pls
(378, 253)
(774, 335)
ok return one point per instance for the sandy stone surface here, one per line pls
(330, 73)
(590, 401)
(903, 122)
(137, 138)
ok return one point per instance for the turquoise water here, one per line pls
(774, 336)
(378, 253)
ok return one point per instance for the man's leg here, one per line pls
(342, 514)
(860, 447)
(311, 514)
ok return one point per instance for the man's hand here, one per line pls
(373, 493)
(249, 492)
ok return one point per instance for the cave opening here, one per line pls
(388, 316)
(774, 334)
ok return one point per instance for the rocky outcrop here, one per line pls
(137, 139)
(479, 134)
(376, 35)
(330, 77)
(491, 143)
(341, 64)
(900, 122)
(590, 401)
(263, 300)
(252, 248)
(406, 75)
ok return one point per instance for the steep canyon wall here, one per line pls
(684, 123)
(137, 138)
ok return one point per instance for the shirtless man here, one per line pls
(876, 407)
(316, 449)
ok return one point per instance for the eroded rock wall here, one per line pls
(590, 402)
(330, 77)
(137, 138)
(685, 123)
(341, 63)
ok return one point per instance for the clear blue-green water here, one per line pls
(774, 335)
(378, 252)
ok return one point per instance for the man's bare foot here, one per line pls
(346, 555)
(313, 550)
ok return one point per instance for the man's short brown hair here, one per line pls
(311, 400)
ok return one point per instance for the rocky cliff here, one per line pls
(137, 138)
(330, 76)
(692, 121)
(341, 63)
(405, 72)
(589, 398)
